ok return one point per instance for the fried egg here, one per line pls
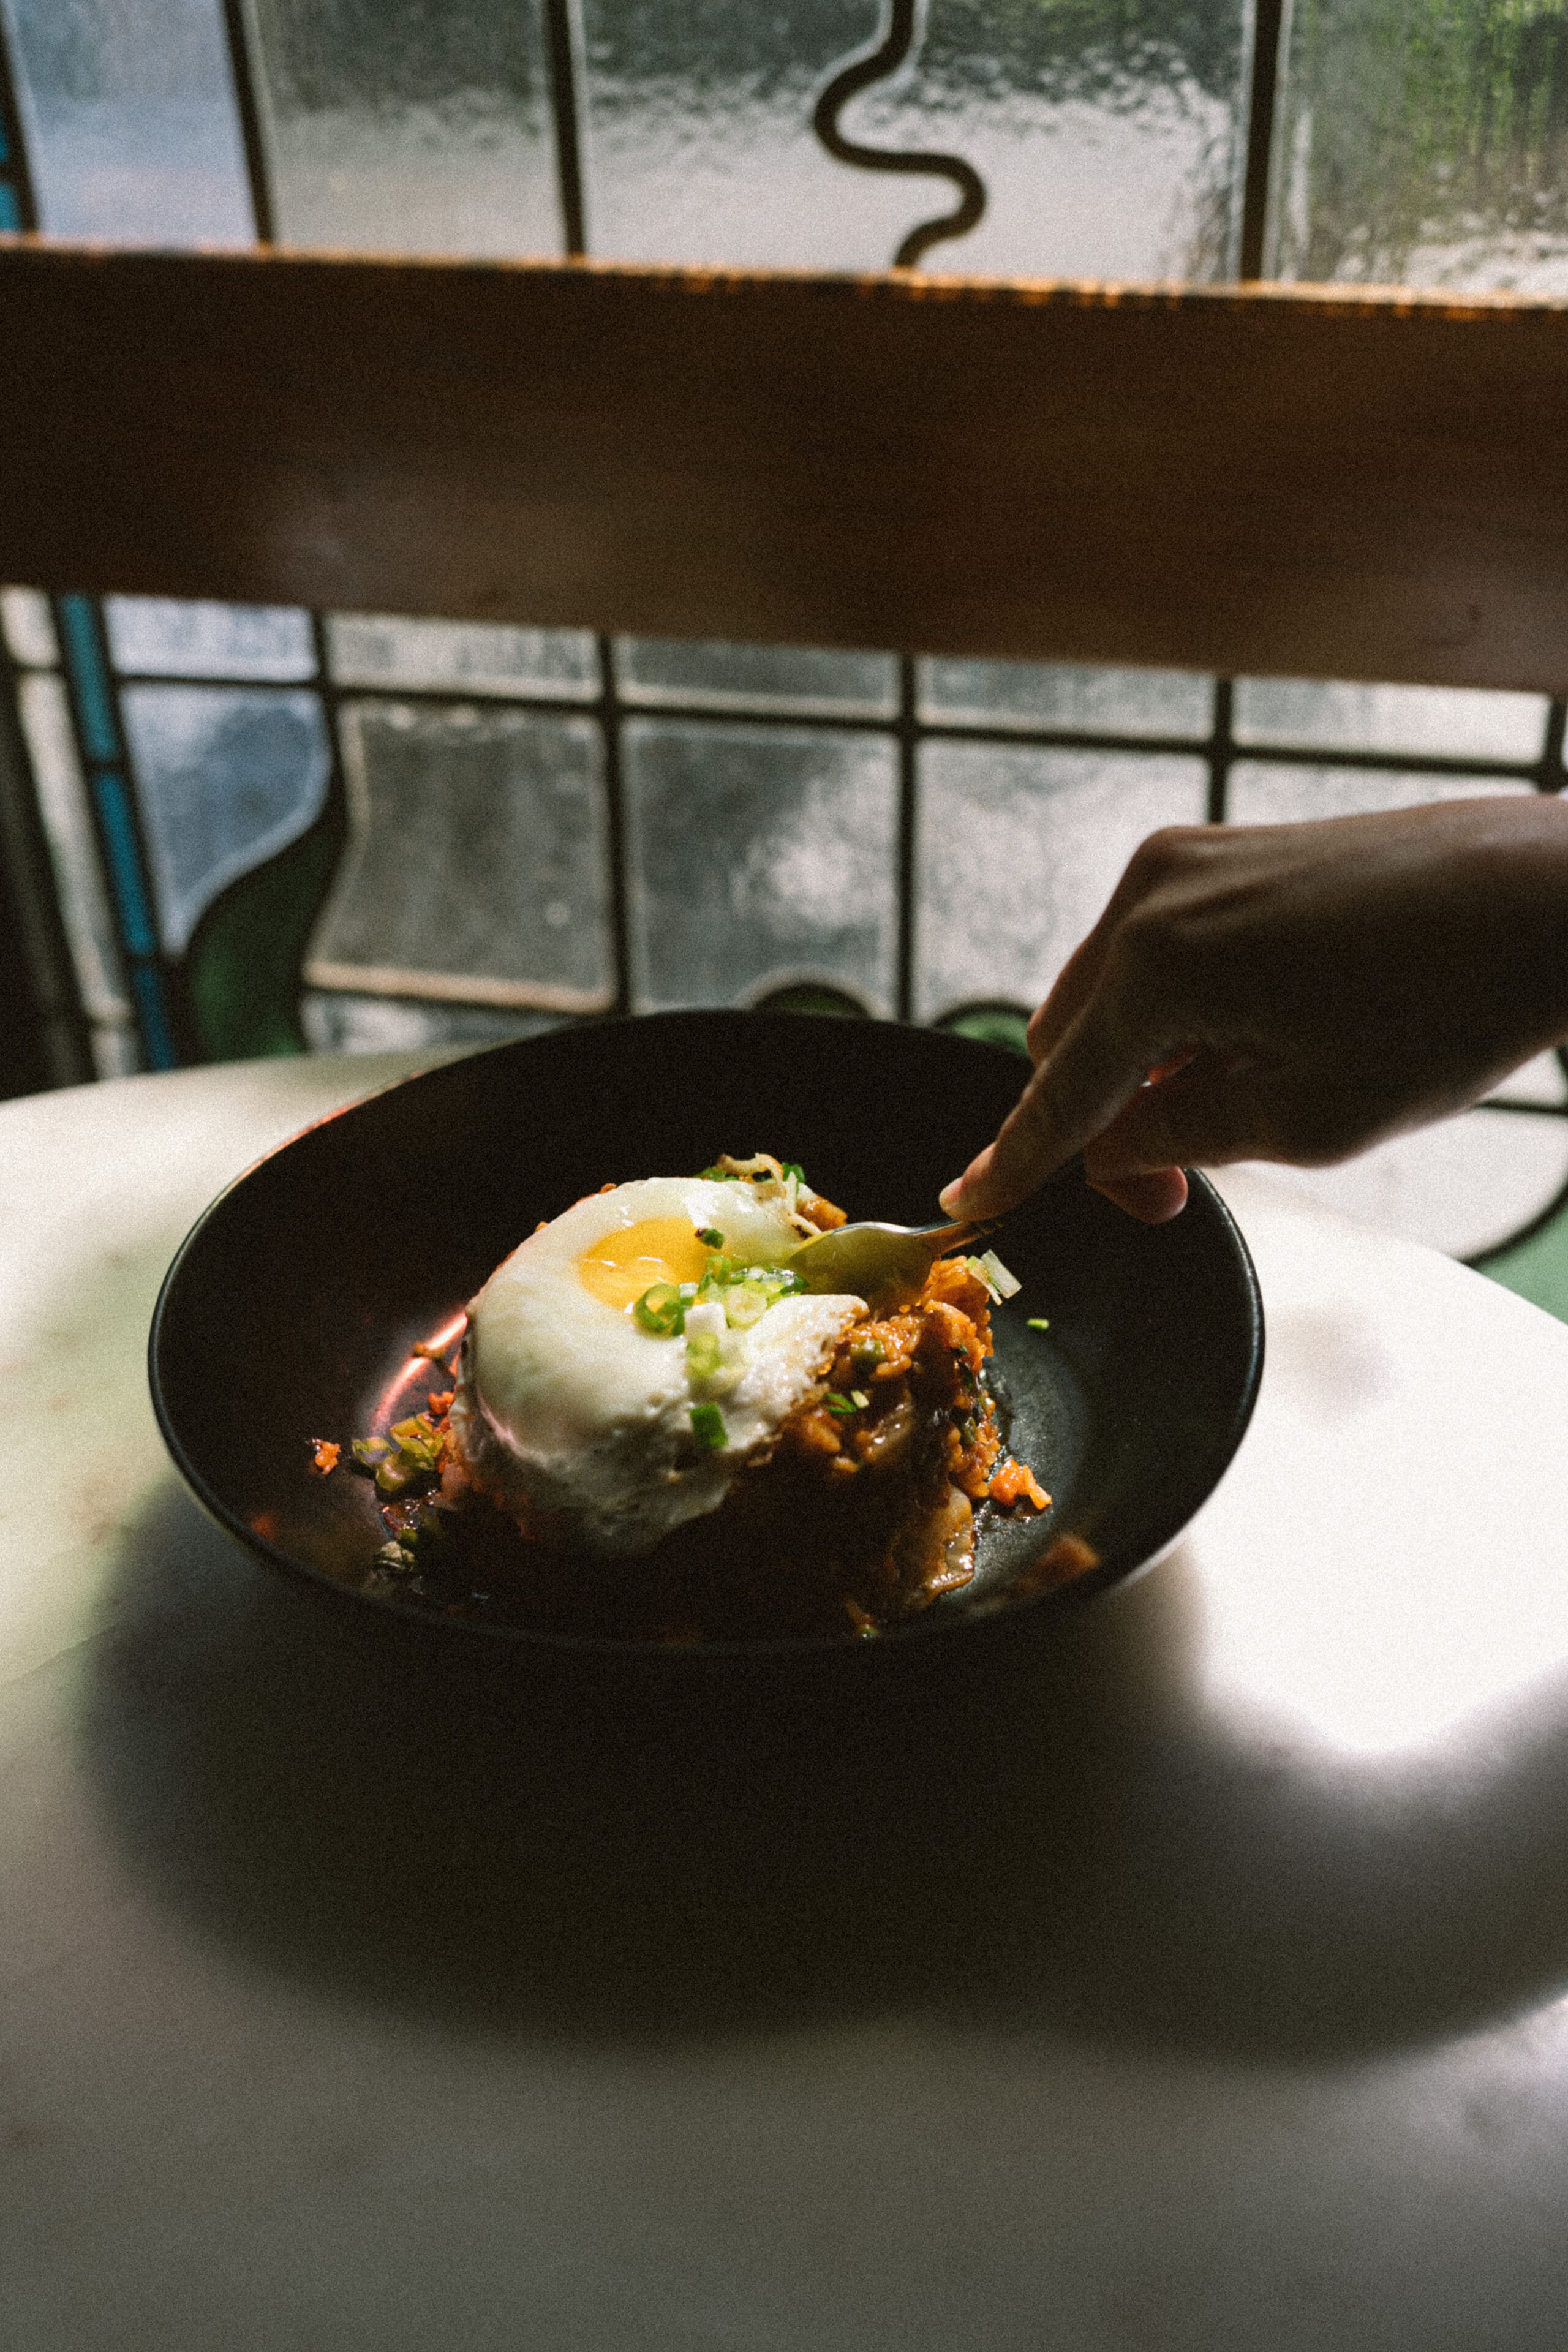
(571, 1415)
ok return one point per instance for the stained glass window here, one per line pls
(264, 830)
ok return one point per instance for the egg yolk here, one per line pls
(619, 1268)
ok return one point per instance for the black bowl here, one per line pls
(291, 1309)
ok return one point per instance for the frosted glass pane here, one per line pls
(225, 777)
(1018, 852)
(408, 128)
(1422, 144)
(29, 628)
(761, 857)
(779, 677)
(129, 118)
(175, 638)
(475, 658)
(1268, 793)
(1456, 722)
(335, 1024)
(1039, 694)
(1463, 1186)
(1540, 1080)
(475, 869)
(73, 847)
(1108, 144)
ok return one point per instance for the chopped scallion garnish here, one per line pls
(708, 1427)
(793, 1167)
(661, 1310)
(990, 1271)
(840, 1405)
(1005, 1283)
(860, 1399)
(710, 1237)
(1039, 1323)
(702, 1355)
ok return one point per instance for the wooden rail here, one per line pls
(1312, 481)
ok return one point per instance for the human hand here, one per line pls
(1297, 992)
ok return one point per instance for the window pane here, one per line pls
(1273, 792)
(762, 858)
(225, 777)
(340, 1024)
(414, 129)
(1423, 144)
(1107, 139)
(477, 658)
(1456, 722)
(129, 122)
(1462, 1186)
(175, 638)
(776, 677)
(1039, 694)
(475, 869)
(1018, 852)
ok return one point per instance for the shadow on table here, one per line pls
(1039, 1834)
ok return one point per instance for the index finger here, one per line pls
(1074, 1094)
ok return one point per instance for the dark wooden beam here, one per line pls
(1318, 481)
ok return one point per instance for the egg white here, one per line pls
(566, 1407)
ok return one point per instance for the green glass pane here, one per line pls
(242, 973)
(992, 1025)
(1423, 142)
(1537, 1268)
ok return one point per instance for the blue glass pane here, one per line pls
(125, 863)
(172, 637)
(129, 118)
(90, 680)
(225, 777)
(762, 858)
(147, 988)
(10, 212)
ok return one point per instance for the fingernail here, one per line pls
(947, 1200)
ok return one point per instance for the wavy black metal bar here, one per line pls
(860, 73)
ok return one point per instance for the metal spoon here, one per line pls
(885, 1264)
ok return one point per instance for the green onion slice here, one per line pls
(999, 1281)
(702, 1355)
(1039, 1323)
(708, 1427)
(710, 1237)
(839, 1405)
(745, 1303)
(661, 1310)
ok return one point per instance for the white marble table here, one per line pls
(1191, 1979)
